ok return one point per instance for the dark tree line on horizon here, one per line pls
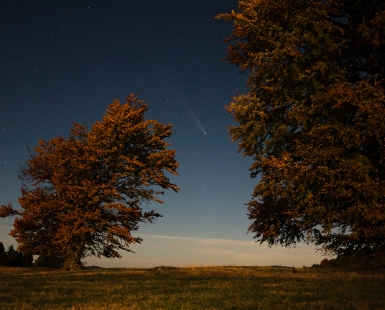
(14, 258)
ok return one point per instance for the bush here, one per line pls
(354, 261)
(51, 261)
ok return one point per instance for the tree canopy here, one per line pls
(312, 120)
(82, 195)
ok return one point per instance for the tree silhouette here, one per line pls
(3, 255)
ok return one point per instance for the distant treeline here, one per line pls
(15, 258)
(354, 262)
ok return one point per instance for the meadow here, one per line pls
(227, 287)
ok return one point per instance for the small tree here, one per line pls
(3, 255)
(82, 195)
(313, 120)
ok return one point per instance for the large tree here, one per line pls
(83, 195)
(313, 120)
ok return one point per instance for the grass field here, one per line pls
(192, 288)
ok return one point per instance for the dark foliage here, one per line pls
(51, 261)
(3, 255)
(354, 262)
(14, 258)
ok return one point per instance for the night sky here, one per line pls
(66, 60)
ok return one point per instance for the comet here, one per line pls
(194, 117)
(186, 105)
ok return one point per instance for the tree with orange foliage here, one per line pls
(82, 195)
(313, 120)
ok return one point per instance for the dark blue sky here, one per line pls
(64, 61)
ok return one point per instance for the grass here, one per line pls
(191, 288)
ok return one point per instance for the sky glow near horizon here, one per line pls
(66, 61)
(179, 251)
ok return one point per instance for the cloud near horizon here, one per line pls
(163, 250)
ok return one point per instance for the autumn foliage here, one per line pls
(83, 195)
(313, 120)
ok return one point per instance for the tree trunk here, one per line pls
(73, 257)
